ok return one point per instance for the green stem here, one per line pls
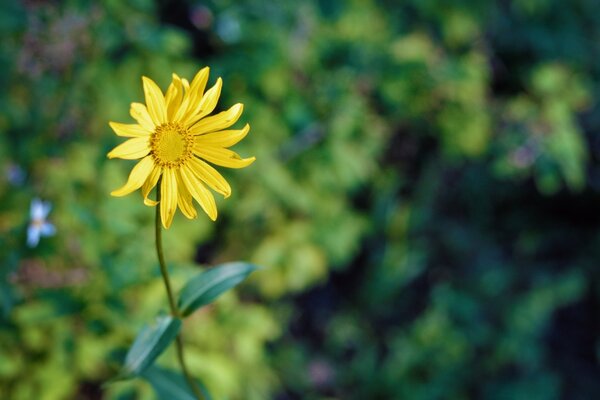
(174, 311)
(161, 261)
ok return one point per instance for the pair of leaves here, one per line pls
(153, 340)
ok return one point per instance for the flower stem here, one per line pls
(174, 311)
(161, 261)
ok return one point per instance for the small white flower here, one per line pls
(39, 226)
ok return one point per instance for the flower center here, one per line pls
(171, 145)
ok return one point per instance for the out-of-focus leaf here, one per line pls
(12, 16)
(6, 300)
(171, 385)
(149, 344)
(204, 288)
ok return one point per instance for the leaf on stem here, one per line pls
(149, 344)
(206, 287)
(171, 385)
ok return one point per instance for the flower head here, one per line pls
(174, 137)
(38, 226)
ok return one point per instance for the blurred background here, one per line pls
(425, 200)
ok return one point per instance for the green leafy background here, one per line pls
(425, 200)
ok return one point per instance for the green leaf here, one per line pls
(204, 288)
(149, 344)
(6, 299)
(171, 385)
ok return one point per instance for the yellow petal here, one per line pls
(184, 199)
(129, 130)
(174, 96)
(168, 197)
(199, 83)
(222, 157)
(202, 195)
(155, 101)
(139, 112)
(132, 149)
(210, 176)
(219, 121)
(149, 185)
(205, 106)
(185, 102)
(137, 177)
(223, 138)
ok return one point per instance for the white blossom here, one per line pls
(38, 226)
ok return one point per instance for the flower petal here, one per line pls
(47, 229)
(199, 83)
(222, 157)
(205, 106)
(35, 209)
(132, 149)
(46, 207)
(168, 197)
(129, 130)
(39, 210)
(184, 199)
(139, 112)
(174, 96)
(137, 177)
(149, 185)
(223, 138)
(202, 195)
(155, 101)
(219, 121)
(33, 235)
(186, 85)
(185, 102)
(210, 176)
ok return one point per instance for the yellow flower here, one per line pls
(173, 137)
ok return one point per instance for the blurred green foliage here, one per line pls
(424, 198)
